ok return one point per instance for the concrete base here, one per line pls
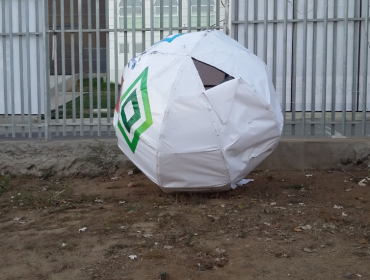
(311, 154)
(67, 158)
(62, 158)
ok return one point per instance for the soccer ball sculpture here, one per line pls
(197, 112)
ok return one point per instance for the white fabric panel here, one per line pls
(160, 89)
(193, 170)
(221, 98)
(232, 58)
(180, 45)
(253, 132)
(255, 75)
(188, 128)
(188, 82)
(252, 164)
(145, 157)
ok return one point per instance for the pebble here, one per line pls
(349, 275)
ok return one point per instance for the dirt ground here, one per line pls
(284, 225)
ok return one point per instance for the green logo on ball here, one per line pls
(135, 115)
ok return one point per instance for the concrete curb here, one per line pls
(61, 157)
(311, 154)
(67, 157)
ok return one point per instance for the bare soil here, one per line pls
(281, 226)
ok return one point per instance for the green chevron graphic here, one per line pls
(132, 98)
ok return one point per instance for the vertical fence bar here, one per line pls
(152, 22)
(358, 66)
(5, 76)
(255, 31)
(91, 98)
(170, 18)
(246, 18)
(55, 57)
(46, 72)
(189, 16)
(116, 45)
(236, 17)
(364, 108)
(274, 44)
(97, 27)
(209, 14)
(125, 34)
(133, 28)
(107, 58)
(304, 70)
(180, 16)
(294, 68)
(143, 14)
(28, 66)
(344, 97)
(161, 19)
(334, 70)
(71, 4)
(63, 66)
(218, 13)
(285, 54)
(199, 22)
(22, 84)
(265, 31)
(354, 68)
(38, 65)
(325, 38)
(314, 46)
(80, 58)
(12, 81)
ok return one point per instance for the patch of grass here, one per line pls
(48, 173)
(52, 196)
(86, 100)
(163, 275)
(4, 183)
(188, 239)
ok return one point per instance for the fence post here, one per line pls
(226, 20)
(45, 34)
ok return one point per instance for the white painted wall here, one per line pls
(21, 87)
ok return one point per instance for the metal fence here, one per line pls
(317, 53)
(61, 60)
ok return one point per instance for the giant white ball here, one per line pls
(197, 112)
